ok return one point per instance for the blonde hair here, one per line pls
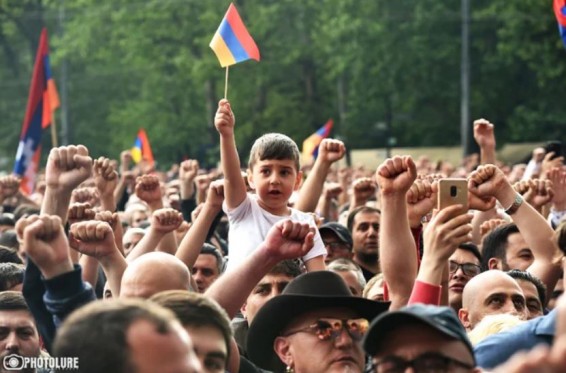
(493, 324)
(371, 283)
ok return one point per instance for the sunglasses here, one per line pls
(430, 362)
(326, 329)
(469, 269)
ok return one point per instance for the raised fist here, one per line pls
(224, 120)
(331, 150)
(45, 243)
(67, 167)
(166, 220)
(396, 175)
(79, 211)
(148, 189)
(105, 176)
(93, 238)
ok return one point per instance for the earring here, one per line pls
(289, 369)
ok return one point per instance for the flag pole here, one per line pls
(226, 85)
(53, 131)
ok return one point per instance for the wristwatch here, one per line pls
(515, 206)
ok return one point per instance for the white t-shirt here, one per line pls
(249, 224)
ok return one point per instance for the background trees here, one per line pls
(367, 64)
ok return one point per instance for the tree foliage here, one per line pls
(369, 65)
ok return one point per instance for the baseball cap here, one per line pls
(441, 319)
(339, 230)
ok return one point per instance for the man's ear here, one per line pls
(299, 180)
(282, 348)
(494, 263)
(464, 317)
(243, 310)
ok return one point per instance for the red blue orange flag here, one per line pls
(42, 102)
(232, 42)
(560, 12)
(142, 148)
(310, 145)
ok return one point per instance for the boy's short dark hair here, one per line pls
(274, 146)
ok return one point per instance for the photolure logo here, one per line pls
(17, 362)
(13, 362)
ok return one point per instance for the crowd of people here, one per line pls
(278, 267)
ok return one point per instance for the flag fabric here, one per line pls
(142, 148)
(560, 12)
(310, 145)
(42, 102)
(232, 42)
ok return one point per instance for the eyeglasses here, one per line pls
(426, 363)
(326, 329)
(337, 246)
(469, 269)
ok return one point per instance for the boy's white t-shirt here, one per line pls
(249, 224)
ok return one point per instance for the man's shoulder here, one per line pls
(498, 348)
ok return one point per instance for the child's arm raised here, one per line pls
(234, 186)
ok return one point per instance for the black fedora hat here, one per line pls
(308, 292)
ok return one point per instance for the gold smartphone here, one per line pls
(453, 192)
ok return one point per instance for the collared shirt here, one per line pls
(498, 348)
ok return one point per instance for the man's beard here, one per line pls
(368, 257)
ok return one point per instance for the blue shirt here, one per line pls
(498, 348)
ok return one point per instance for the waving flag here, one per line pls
(232, 42)
(560, 12)
(142, 149)
(42, 102)
(310, 145)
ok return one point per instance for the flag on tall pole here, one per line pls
(232, 43)
(560, 12)
(43, 99)
(142, 148)
(311, 143)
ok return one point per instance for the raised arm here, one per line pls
(106, 181)
(285, 240)
(163, 222)
(234, 185)
(397, 250)
(489, 180)
(190, 247)
(329, 152)
(95, 239)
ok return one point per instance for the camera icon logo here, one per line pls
(13, 362)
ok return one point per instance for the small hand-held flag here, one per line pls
(560, 12)
(142, 149)
(42, 102)
(311, 143)
(232, 42)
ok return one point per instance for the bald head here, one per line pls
(491, 293)
(153, 273)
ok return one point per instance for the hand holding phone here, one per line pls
(453, 192)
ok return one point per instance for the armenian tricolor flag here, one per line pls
(142, 149)
(232, 42)
(42, 102)
(310, 145)
(560, 12)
